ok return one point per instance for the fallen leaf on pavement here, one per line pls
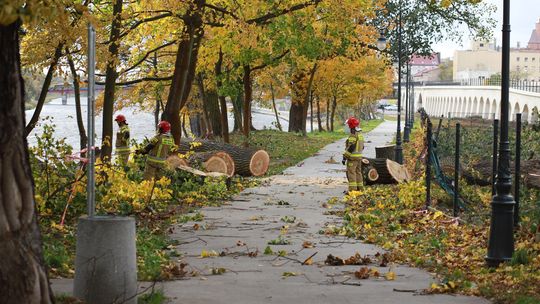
(362, 273)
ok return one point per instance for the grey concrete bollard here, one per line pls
(105, 260)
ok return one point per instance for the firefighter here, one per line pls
(158, 149)
(352, 156)
(122, 140)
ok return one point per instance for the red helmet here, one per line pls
(352, 122)
(120, 118)
(164, 126)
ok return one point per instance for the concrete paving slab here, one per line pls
(254, 217)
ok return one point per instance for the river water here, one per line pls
(141, 123)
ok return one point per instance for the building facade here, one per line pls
(483, 60)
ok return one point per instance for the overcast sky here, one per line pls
(523, 16)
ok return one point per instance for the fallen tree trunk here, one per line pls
(480, 173)
(383, 171)
(248, 162)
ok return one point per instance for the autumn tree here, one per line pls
(23, 276)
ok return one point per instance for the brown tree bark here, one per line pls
(301, 87)
(44, 90)
(319, 122)
(278, 124)
(248, 161)
(333, 113)
(248, 95)
(214, 113)
(77, 90)
(311, 110)
(327, 115)
(238, 102)
(111, 74)
(222, 102)
(23, 275)
(296, 112)
(184, 67)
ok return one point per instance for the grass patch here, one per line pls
(154, 297)
(152, 254)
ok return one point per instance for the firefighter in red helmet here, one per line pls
(158, 150)
(352, 156)
(122, 140)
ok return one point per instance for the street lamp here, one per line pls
(501, 237)
(406, 129)
(399, 149)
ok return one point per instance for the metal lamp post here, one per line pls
(406, 129)
(501, 237)
(399, 149)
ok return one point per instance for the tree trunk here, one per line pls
(195, 124)
(221, 98)
(334, 105)
(23, 275)
(183, 123)
(184, 67)
(158, 90)
(388, 151)
(237, 102)
(204, 104)
(383, 171)
(44, 90)
(327, 115)
(278, 124)
(248, 95)
(298, 104)
(311, 110)
(110, 82)
(319, 122)
(248, 162)
(77, 90)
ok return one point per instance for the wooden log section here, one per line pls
(373, 175)
(386, 152)
(209, 161)
(383, 171)
(248, 162)
(174, 161)
(231, 167)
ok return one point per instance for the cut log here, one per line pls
(480, 173)
(383, 171)
(248, 162)
(209, 161)
(231, 168)
(174, 161)
(386, 152)
(373, 175)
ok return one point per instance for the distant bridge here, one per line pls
(478, 99)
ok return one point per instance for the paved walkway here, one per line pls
(254, 217)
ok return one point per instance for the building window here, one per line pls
(517, 58)
(481, 45)
(533, 59)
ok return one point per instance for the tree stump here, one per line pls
(386, 152)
